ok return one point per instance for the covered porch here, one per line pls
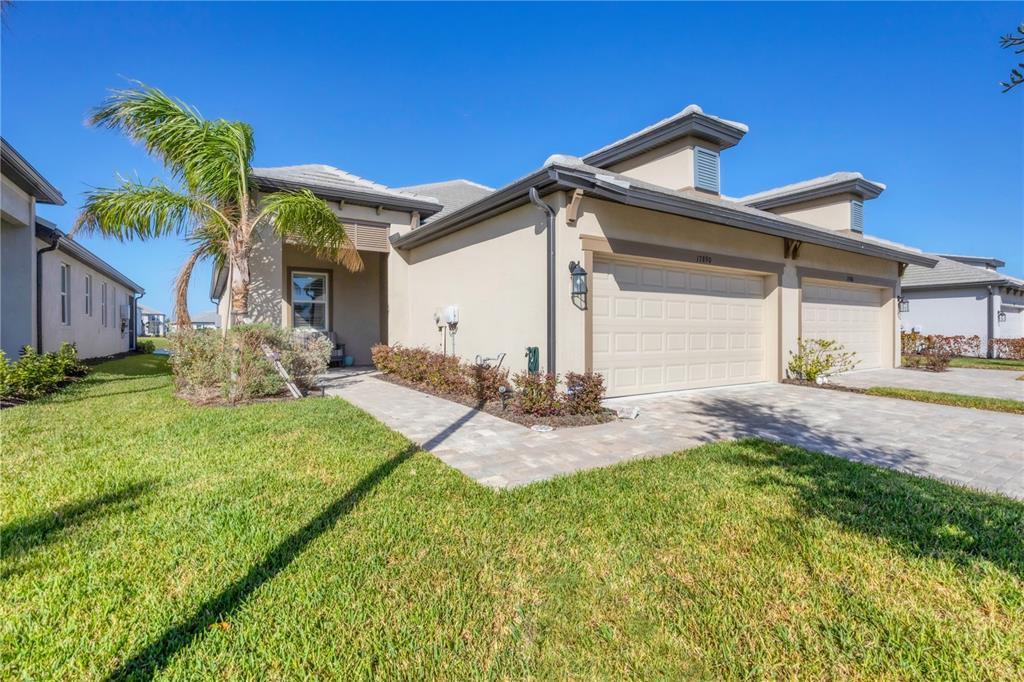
(326, 297)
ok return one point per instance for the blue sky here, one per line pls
(402, 94)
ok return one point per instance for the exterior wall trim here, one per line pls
(625, 247)
(864, 189)
(830, 275)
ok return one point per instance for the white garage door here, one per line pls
(851, 315)
(663, 328)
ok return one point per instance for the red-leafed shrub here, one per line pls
(537, 394)
(583, 393)
(1010, 349)
(487, 382)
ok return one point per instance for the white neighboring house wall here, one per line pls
(92, 335)
(957, 311)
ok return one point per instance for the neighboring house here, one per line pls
(963, 295)
(209, 319)
(685, 288)
(151, 322)
(53, 289)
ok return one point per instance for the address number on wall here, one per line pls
(706, 260)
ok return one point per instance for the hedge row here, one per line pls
(534, 394)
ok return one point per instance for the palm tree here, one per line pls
(216, 207)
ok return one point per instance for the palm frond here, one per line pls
(137, 211)
(213, 158)
(310, 220)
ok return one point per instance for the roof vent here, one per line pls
(706, 169)
(857, 215)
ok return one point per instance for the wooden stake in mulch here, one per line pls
(275, 359)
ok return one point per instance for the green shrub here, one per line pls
(538, 394)
(583, 393)
(144, 346)
(819, 358)
(35, 374)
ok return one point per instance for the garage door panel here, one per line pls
(847, 314)
(676, 327)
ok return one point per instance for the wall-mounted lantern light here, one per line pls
(1002, 316)
(579, 284)
(904, 305)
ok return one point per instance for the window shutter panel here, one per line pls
(706, 169)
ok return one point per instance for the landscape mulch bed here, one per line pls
(830, 387)
(495, 408)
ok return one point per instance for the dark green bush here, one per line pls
(144, 346)
(34, 375)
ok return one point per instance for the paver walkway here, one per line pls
(983, 450)
(993, 383)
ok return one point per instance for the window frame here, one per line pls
(88, 295)
(311, 272)
(103, 302)
(65, 294)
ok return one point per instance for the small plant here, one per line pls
(145, 347)
(583, 393)
(488, 382)
(537, 394)
(817, 359)
(35, 374)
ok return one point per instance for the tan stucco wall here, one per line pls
(670, 165)
(16, 205)
(85, 331)
(833, 213)
(495, 274)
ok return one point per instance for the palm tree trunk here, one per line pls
(181, 291)
(239, 258)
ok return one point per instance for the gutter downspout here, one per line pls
(550, 213)
(39, 290)
(991, 322)
(133, 335)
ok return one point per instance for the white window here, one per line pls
(88, 295)
(309, 300)
(103, 303)
(65, 293)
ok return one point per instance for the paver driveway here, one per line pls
(993, 383)
(984, 450)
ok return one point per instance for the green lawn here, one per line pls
(158, 341)
(940, 398)
(987, 363)
(144, 537)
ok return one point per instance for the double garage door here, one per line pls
(667, 327)
(663, 328)
(848, 314)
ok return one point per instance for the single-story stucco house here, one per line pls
(627, 261)
(963, 295)
(53, 289)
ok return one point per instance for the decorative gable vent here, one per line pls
(857, 215)
(705, 169)
(368, 236)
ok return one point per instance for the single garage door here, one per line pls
(849, 314)
(663, 328)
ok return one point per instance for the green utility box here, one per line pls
(532, 359)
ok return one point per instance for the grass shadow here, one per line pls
(155, 656)
(920, 516)
(26, 534)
